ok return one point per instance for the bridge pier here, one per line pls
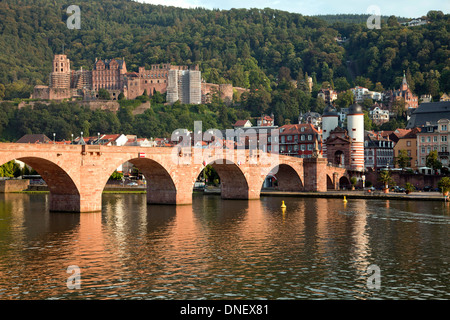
(315, 174)
(75, 202)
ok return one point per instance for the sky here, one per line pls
(401, 8)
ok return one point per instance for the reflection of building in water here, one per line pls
(360, 237)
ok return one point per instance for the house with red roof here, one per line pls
(296, 140)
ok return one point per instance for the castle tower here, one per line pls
(60, 75)
(330, 121)
(355, 128)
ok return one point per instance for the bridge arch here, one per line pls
(344, 182)
(233, 181)
(161, 188)
(330, 184)
(64, 191)
(288, 178)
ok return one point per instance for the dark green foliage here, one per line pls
(68, 118)
(103, 94)
(263, 50)
(10, 169)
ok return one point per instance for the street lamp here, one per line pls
(54, 136)
(98, 137)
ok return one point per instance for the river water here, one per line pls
(225, 249)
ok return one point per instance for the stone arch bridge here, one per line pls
(77, 174)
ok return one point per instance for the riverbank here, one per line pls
(357, 194)
(421, 196)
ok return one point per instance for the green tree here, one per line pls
(367, 121)
(432, 160)
(116, 175)
(385, 177)
(341, 84)
(2, 91)
(10, 169)
(444, 184)
(103, 94)
(345, 99)
(403, 160)
(392, 21)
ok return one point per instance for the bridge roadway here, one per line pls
(76, 175)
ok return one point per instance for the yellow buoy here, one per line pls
(283, 205)
(345, 200)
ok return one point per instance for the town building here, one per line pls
(338, 147)
(394, 135)
(434, 136)
(247, 135)
(425, 98)
(34, 138)
(298, 140)
(378, 151)
(184, 86)
(444, 98)
(415, 22)
(330, 121)
(359, 93)
(405, 92)
(355, 128)
(328, 95)
(344, 147)
(265, 121)
(429, 113)
(379, 114)
(408, 143)
(314, 118)
(242, 124)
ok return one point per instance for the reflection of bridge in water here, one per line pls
(76, 175)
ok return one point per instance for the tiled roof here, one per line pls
(34, 138)
(240, 123)
(296, 128)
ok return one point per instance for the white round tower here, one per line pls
(330, 121)
(355, 128)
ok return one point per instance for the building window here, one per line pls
(444, 138)
(289, 138)
(435, 139)
(444, 127)
(428, 139)
(302, 137)
(309, 137)
(408, 143)
(422, 139)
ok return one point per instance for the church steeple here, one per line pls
(404, 85)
